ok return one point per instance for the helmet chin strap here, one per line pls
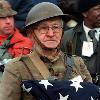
(41, 45)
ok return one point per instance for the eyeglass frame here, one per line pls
(46, 28)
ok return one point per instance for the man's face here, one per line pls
(49, 32)
(7, 25)
(92, 17)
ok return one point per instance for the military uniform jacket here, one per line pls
(16, 71)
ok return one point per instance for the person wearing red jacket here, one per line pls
(12, 42)
(19, 44)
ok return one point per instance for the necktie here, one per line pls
(91, 33)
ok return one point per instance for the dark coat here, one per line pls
(77, 36)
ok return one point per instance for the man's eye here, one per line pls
(44, 27)
(55, 27)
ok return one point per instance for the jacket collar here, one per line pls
(80, 31)
(79, 28)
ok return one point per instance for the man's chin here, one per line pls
(8, 32)
(50, 47)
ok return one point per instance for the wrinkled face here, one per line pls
(49, 32)
(7, 25)
(92, 17)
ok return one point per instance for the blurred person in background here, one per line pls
(70, 7)
(12, 43)
(85, 37)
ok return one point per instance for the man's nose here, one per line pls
(50, 31)
(7, 19)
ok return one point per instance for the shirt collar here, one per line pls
(87, 29)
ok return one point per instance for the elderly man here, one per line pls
(44, 25)
(85, 42)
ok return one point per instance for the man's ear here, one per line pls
(30, 32)
(84, 14)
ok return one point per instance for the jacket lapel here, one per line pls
(79, 37)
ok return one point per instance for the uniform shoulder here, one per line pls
(19, 58)
(15, 64)
(78, 59)
(75, 56)
(14, 59)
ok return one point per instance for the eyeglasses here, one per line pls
(45, 29)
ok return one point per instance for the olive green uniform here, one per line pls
(16, 71)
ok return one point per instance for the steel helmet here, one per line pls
(5, 9)
(44, 10)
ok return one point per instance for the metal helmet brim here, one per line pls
(43, 11)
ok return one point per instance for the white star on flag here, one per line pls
(28, 89)
(92, 98)
(63, 98)
(99, 90)
(45, 82)
(76, 85)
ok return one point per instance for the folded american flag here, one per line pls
(61, 90)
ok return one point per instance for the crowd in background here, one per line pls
(62, 36)
(23, 7)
